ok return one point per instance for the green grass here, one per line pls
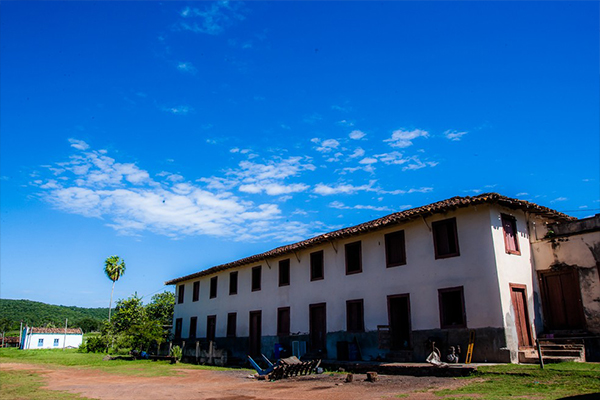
(26, 385)
(502, 382)
(72, 358)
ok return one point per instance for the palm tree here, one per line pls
(114, 268)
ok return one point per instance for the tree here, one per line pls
(114, 268)
(161, 308)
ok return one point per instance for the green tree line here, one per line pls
(34, 313)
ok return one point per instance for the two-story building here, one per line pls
(385, 288)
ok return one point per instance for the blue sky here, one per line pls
(184, 135)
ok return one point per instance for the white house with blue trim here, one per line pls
(50, 338)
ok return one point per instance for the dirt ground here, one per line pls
(233, 385)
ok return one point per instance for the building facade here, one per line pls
(50, 338)
(385, 289)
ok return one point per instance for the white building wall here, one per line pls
(70, 340)
(421, 277)
(513, 269)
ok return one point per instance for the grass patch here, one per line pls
(502, 382)
(21, 385)
(72, 358)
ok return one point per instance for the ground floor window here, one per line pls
(178, 324)
(283, 321)
(231, 324)
(55, 342)
(452, 308)
(355, 321)
(40, 342)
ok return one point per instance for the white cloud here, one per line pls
(345, 123)
(179, 110)
(522, 194)
(341, 206)
(403, 138)
(357, 153)
(186, 67)
(454, 135)
(368, 160)
(559, 199)
(326, 146)
(94, 185)
(356, 135)
(213, 19)
(328, 190)
(79, 144)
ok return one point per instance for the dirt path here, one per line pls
(232, 385)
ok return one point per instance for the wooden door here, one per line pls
(255, 333)
(399, 321)
(519, 300)
(318, 328)
(561, 298)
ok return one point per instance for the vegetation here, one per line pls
(135, 326)
(502, 382)
(114, 268)
(34, 313)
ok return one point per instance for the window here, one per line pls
(181, 294)
(284, 272)
(445, 238)
(211, 327)
(283, 321)
(193, 327)
(231, 324)
(256, 272)
(40, 342)
(452, 308)
(511, 241)
(233, 280)
(316, 266)
(178, 323)
(395, 249)
(355, 321)
(196, 293)
(213, 287)
(353, 258)
(56, 342)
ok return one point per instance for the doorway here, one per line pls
(399, 321)
(518, 294)
(255, 332)
(318, 328)
(561, 299)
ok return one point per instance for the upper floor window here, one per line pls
(452, 308)
(233, 282)
(316, 266)
(355, 317)
(395, 249)
(196, 292)
(213, 287)
(353, 258)
(445, 238)
(181, 294)
(511, 240)
(284, 272)
(256, 278)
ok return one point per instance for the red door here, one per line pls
(561, 298)
(519, 300)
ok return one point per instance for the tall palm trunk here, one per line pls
(111, 297)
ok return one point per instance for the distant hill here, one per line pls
(35, 313)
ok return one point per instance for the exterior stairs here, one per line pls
(555, 351)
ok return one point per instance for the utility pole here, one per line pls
(65, 339)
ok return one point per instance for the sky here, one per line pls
(184, 135)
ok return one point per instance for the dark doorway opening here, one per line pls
(399, 321)
(255, 332)
(318, 328)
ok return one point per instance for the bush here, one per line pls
(94, 344)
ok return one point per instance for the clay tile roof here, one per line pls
(56, 330)
(388, 220)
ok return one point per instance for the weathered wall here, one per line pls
(574, 245)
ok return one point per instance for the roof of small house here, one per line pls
(389, 220)
(56, 330)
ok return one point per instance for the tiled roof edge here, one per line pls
(388, 220)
